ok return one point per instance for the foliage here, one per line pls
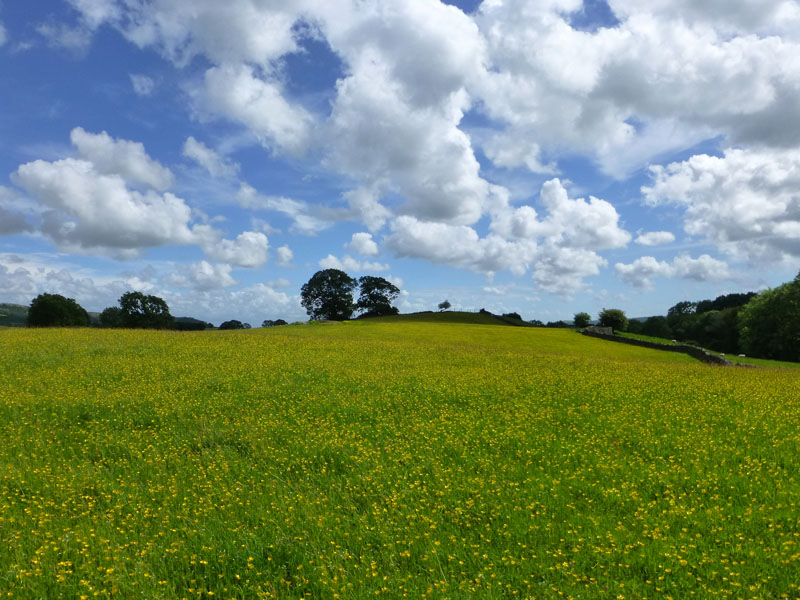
(232, 324)
(377, 295)
(471, 461)
(140, 311)
(444, 305)
(111, 317)
(54, 310)
(276, 323)
(512, 315)
(328, 295)
(190, 324)
(769, 324)
(614, 318)
(657, 327)
(724, 302)
(582, 320)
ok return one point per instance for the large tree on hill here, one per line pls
(377, 295)
(54, 310)
(328, 295)
(144, 312)
(769, 325)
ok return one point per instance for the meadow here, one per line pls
(391, 459)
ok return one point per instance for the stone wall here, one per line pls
(692, 351)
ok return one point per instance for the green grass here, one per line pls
(733, 358)
(647, 338)
(381, 459)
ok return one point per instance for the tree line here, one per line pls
(765, 325)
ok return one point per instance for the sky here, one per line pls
(543, 157)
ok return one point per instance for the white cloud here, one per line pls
(666, 77)
(642, 270)
(560, 249)
(285, 256)
(250, 249)
(3, 35)
(348, 263)
(238, 93)
(110, 156)
(746, 201)
(60, 35)
(142, 84)
(299, 212)
(363, 244)
(216, 165)
(201, 276)
(655, 238)
(95, 12)
(89, 211)
(561, 270)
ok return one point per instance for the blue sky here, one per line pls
(540, 157)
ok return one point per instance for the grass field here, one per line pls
(390, 459)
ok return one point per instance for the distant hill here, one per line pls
(13, 315)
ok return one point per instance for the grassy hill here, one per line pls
(390, 459)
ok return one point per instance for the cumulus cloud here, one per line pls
(560, 249)
(142, 84)
(285, 256)
(655, 238)
(250, 249)
(87, 206)
(745, 201)
(87, 210)
(238, 93)
(363, 244)
(641, 271)
(201, 276)
(299, 212)
(350, 264)
(216, 165)
(110, 156)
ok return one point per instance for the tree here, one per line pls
(681, 319)
(657, 327)
(444, 305)
(232, 324)
(111, 317)
(769, 325)
(582, 319)
(144, 312)
(276, 323)
(377, 296)
(54, 310)
(329, 295)
(614, 318)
